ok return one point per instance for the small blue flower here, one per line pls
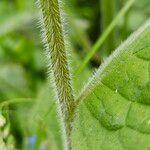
(31, 141)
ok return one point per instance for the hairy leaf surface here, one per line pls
(115, 109)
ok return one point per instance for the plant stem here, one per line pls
(103, 37)
(125, 30)
(107, 14)
(53, 31)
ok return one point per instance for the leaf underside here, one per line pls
(115, 113)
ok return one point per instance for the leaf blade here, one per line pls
(115, 103)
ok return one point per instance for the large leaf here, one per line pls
(114, 113)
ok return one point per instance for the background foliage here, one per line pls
(23, 76)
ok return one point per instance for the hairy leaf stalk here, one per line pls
(59, 65)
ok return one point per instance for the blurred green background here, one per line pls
(30, 112)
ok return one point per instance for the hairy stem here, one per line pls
(59, 66)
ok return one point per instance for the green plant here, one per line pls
(58, 64)
(112, 111)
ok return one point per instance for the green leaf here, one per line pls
(115, 109)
